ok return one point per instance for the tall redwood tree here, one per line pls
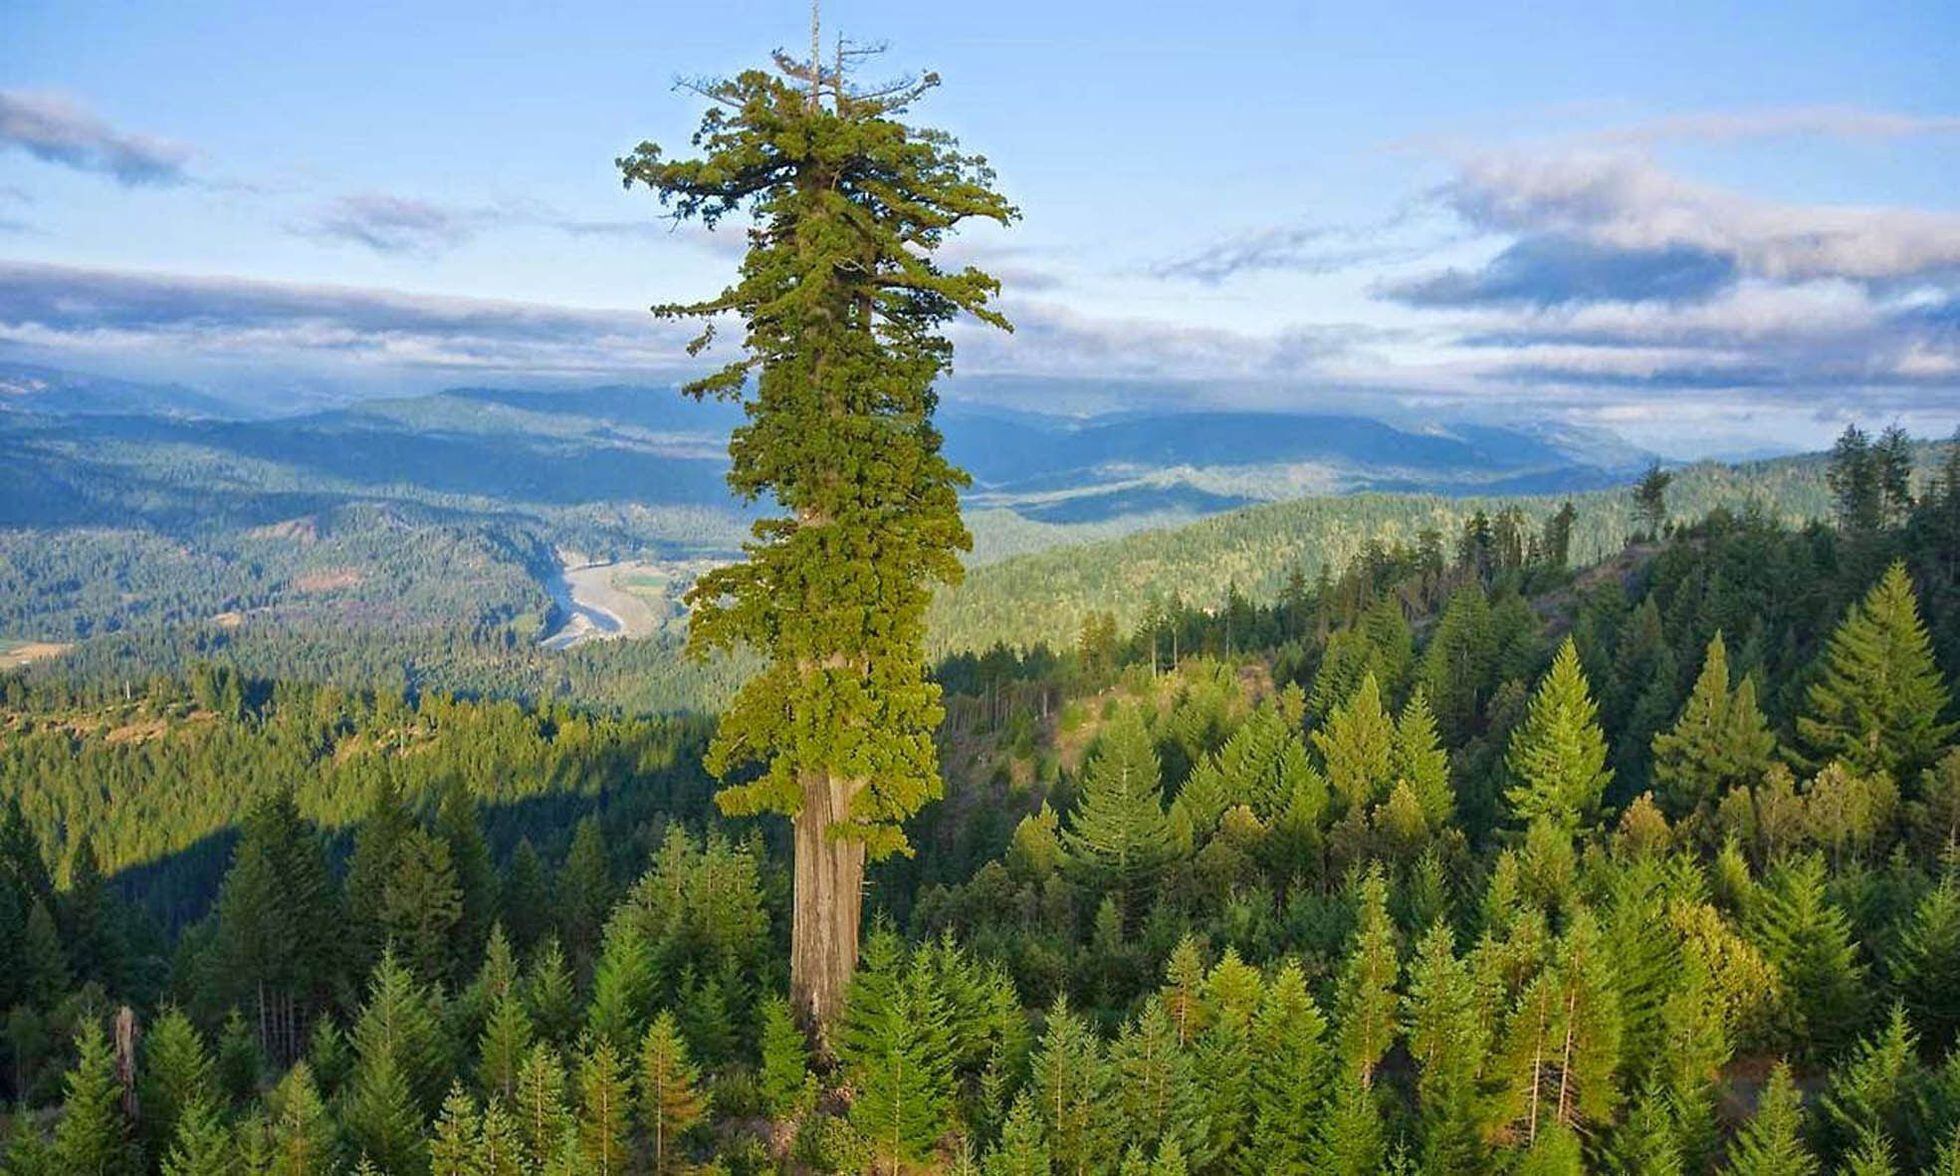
(842, 305)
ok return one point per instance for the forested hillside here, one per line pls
(1468, 858)
(1046, 595)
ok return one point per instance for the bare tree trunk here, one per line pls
(126, 1036)
(827, 904)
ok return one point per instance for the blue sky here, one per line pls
(1707, 226)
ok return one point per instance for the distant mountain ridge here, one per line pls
(646, 444)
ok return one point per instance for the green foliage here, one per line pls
(894, 1047)
(841, 303)
(1878, 706)
(93, 1135)
(1721, 741)
(1117, 835)
(671, 1101)
(1771, 1143)
(1558, 754)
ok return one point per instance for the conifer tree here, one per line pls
(1448, 1040)
(1926, 964)
(1420, 761)
(1721, 741)
(501, 1049)
(93, 1135)
(1230, 1002)
(1351, 1139)
(1771, 1143)
(177, 1072)
(460, 829)
(785, 1070)
(1558, 754)
(1118, 836)
(1366, 1001)
(302, 1136)
(604, 1110)
(422, 904)
(1357, 744)
(1645, 1144)
(1873, 1157)
(457, 1136)
(1808, 940)
(1290, 1069)
(1022, 1151)
(201, 1146)
(1877, 1090)
(500, 1145)
(842, 304)
(549, 995)
(584, 892)
(1154, 1084)
(370, 870)
(1069, 1084)
(671, 1101)
(623, 983)
(539, 1108)
(1878, 704)
(893, 1044)
(526, 896)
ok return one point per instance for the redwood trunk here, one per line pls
(827, 905)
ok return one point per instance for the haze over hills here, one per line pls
(433, 539)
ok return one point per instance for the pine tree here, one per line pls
(422, 904)
(840, 435)
(1365, 996)
(526, 897)
(1022, 1151)
(623, 983)
(1926, 965)
(1290, 1068)
(476, 879)
(1154, 1085)
(1557, 754)
(1645, 1144)
(671, 1101)
(1230, 1003)
(501, 1049)
(500, 1144)
(1721, 741)
(785, 1070)
(1877, 704)
(1421, 763)
(1351, 1139)
(176, 1073)
(93, 1135)
(241, 1063)
(549, 995)
(302, 1134)
(377, 846)
(539, 1107)
(584, 892)
(1808, 940)
(1069, 1083)
(1877, 1090)
(399, 1070)
(201, 1146)
(1118, 836)
(1771, 1143)
(453, 1150)
(893, 1044)
(1872, 1158)
(1448, 1040)
(604, 1110)
(1357, 743)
